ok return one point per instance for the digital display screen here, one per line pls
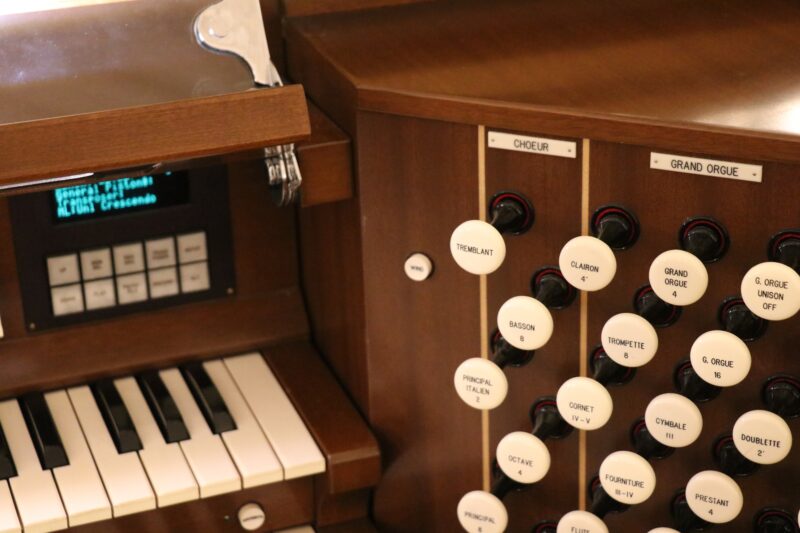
(120, 196)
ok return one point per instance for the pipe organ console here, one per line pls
(542, 274)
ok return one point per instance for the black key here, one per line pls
(163, 407)
(116, 416)
(208, 398)
(43, 431)
(7, 467)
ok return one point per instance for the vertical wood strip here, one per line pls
(584, 324)
(484, 306)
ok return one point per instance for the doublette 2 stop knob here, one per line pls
(477, 246)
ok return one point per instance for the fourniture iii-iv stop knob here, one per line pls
(478, 246)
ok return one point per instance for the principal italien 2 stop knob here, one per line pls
(477, 246)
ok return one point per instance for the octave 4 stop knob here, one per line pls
(477, 246)
(523, 458)
(582, 521)
(584, 403)
(772, 291)
(673, 420)
(714, 497)
(482, 512)
(588, 262)
(720, 358)
(629, 340)
(762, 437)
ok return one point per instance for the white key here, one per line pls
(247, 444)
(78, 482)
(9, 523)
(209, 460)
(34, 490)
(164, 463)
(122, 473)
(285, 430)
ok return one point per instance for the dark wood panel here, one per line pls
(553, 185)
(301, 8)
(149, 134)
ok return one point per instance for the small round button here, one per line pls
(251, 516)
(587, 263)
(480, 383)
(418, 267)
(629, 340)
(714, 497)
(482, 512)
(581, 521)
(584, 403)
(772, 291)
(678, 277)
(720, 358)
(627, 477)
(523, 457)
(673, 420)
(762, 437)
(525, 323)
(477, 247)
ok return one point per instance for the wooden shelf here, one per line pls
(136, 136)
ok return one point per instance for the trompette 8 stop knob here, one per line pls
(477, 246)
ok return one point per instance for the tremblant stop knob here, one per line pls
(477, 246)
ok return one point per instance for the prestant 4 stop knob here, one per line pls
(581, 521)
(546, 420)
(762, 437)
(645, 444)
(482, 512)
(649, 306)
(689, 384)
(785, 248)
(478, 246)
(772, 291)
(629, 340)
(584, 403)
(606, 371)
(714, 497)
(588, 263)
(720, 358)
(673, 420)
(781, 395)
(729, 459)
(774, 520)
(678, 277)
(736, 318)
(705, 238)
(549, 287)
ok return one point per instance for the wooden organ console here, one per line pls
(542, 274)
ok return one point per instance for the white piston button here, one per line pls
(629, 340)
(584, 403)
(482, 512)
(720, 358)
(587, 263)
(477, 247)
(627, 477)
(525, 323)
(678, 277)
(523, 457)
(480, 383)
(762, 437)
(772, 291)
(673, 420)
(580, 521)
(714, 497)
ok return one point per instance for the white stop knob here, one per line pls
(523, 457)
(587, 263)
(673, 420)
(772, 291)
(714, 497)
(627, 477)
(720, 358)
(629, 340)
(480, 383)
(584, 403)
(525, 323)
(477, 247)
(762, 437)
(251, 516)
(663, 530)
(580, 521)
(678, 277)
(482, 512)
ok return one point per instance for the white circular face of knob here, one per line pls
(480, 383)
(673, 420)
(525, 322)
(663, 530)
(678, 277)
(251, 516)
(418, 267)
(772, 291)
(714, 497)
(482, 512)
(587, 263)
(627, 477)
(763, 437)
(720, 358)
(477, 247)
(523, 457)
(629, 340)
(584, 403)
(580, 521)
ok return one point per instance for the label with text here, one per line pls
(534, 145)
(706, 167)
